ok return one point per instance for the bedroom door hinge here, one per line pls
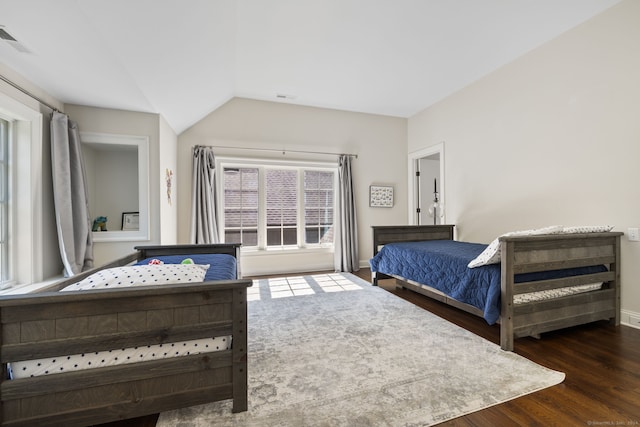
(417, 173)
(418, 210)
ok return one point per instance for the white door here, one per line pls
(426, 186)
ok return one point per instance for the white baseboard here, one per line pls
(630, 318)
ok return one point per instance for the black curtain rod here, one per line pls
(285, 151)
(26, 92)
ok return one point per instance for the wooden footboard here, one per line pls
(526, 254)
(52, 324)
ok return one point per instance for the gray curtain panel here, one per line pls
(71, 202)
(204, 221)
(346, 252)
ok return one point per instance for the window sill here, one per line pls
(19, 289)
(120, 236)
(284, 251)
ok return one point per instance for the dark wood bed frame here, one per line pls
(524, 254)
(51, 323)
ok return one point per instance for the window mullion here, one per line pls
(301, 205)
(262, 209)
(220, 183)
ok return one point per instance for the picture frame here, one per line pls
(381, 196)
(130, 221)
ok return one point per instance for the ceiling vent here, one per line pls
(285, 96)
(4, 35)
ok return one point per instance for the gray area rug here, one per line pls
(332, 350)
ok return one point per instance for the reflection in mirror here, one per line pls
(117, 180)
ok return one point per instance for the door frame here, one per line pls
(413, 188)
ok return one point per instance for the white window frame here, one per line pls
(263, 227)
(261, 165)
(6, 215)
(25, 162)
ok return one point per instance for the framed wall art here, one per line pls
(130, 220)
(381, 196)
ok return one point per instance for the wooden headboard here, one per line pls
(383, 234)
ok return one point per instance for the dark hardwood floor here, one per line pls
(601, 363)
(148, 421)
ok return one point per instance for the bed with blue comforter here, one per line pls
(539, 283)
(442, 264)
(221, 266)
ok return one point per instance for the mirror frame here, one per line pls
(142, 142)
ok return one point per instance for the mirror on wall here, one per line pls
(117, 169)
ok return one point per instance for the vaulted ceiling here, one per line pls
(185, 58)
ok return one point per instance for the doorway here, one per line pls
(426, 186)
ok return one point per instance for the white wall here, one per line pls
(551, 138)
(103, 120)
(168, 202)
(162, 154)
(379, 142)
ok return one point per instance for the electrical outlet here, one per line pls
(633, 234)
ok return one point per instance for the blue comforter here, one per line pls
(442, 264)
(221, 266)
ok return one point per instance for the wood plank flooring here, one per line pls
(601, 363)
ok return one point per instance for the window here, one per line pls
(241, 206)
(281, 189)
(5, 251)
(267, 207)
(318, 206)
(24, 260)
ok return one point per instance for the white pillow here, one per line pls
(587, 229)
(491, 255)
(142, 275)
